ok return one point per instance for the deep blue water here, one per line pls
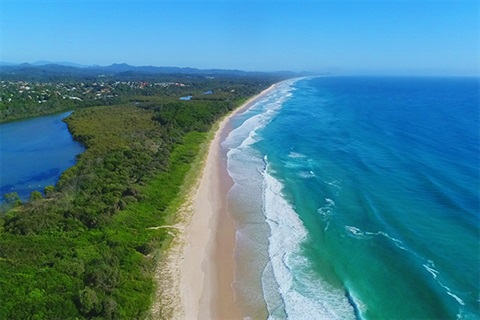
(34, 152)
(368, 191)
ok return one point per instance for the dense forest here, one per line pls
(84, 248)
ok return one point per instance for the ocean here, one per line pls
(358, 198)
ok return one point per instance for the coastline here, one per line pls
(196, 274)
(331, 293)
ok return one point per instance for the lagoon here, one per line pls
(34, 153)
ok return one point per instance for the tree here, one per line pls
(48, 191)
(88, 301)
(35, 195)
(12, 199)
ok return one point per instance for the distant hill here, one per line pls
(43, 70)
(62, 63)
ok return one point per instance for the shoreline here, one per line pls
(196, 275)
(211, 236)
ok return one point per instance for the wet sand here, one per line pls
(195, 279)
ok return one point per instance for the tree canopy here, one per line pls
(83, 249)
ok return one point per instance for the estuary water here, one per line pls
(358, 198)
(34, 152)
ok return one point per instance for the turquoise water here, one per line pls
(34, 152)
(358, 198)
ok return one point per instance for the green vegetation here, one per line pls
(21, 99)
(84, 249)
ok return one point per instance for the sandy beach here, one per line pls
(196, 275)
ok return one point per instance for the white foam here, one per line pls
(335, 183)
(430, 267)
(246, 134)
(360, 306)
(432, 271)
(330, 202)
(241, 157)
(430, 264)
(466, 315)
(294, 165)
(326, 210)
(359, 233)
(306, 174)
(296, 155)
(397, 242)
(304, 294)
(289, 287)
(355, 231)
(251, 139)
(460, 301)
(237, 136)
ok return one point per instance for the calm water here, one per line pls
(34, 152)
(358, 198)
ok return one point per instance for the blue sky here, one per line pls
(367, 37)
